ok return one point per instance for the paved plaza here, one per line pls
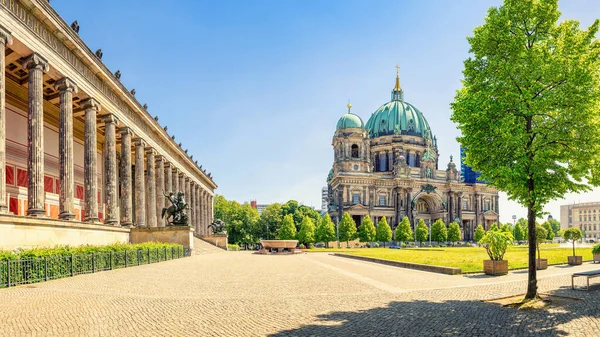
(217, 293)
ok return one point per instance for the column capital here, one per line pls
(150, 150)
(35, 61)
(159, 157)
(139, 142)
(66, 84)
(125, 130)
(90, 104)
(167, 165)
(5, 36)
(109, 119)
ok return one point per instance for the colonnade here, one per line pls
(153, 173)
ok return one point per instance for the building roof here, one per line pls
(349, 120)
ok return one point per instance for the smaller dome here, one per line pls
(349, 120)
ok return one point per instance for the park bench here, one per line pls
(587, 274)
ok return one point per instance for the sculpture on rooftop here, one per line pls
(145, 106)
(133, 92)
(175, 214)
(75, 26)
(99, 53)
(118, 74)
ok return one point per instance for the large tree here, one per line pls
(422, 231)
(325, 230)
(270, 221)
(366, 231)
(518, 233)
(347, 228)
(555, 225)
(384, 232)
(403, 232)
(549, 232)
(479, 233)
(287, 231)
(528, 107)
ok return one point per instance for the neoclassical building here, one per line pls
(75, 144)
(390, 167)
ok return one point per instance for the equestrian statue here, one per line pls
(175, 214)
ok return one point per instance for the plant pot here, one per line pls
(575, 260)
(596, 258)
(541, 264)
(491, 267)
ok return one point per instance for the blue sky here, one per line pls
(254, 88)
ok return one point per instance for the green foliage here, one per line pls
(506, 228)
(347, 228)
(403, 232)
(454, 234)
(555, 226)
(596, 249)
(287, 231)
(518, 232)
(573, 234)
(233, 247)
(384, 232)
(325, 230)
(549, 231)
(496, 243)
(366, 231)
(307, 231)
(439, 232)
(271, 219)
(242, 222)
(494, 228)
(422, 232)
(479, 233)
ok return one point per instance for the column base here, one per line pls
(111, 222)
(66, 216)
(125, 224)
(92, 220)
(36, 212)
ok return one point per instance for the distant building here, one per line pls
(258, 207)
(324, 199)
(585, 216)
(467, 174)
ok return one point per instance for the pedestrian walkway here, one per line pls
(219, 293)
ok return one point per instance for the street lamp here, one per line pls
(514, 217)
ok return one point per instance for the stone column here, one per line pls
(205, 222)
(126, 190)
(90, 159)
(5, 40)
(160, 189)
(192, 211)
(175, 181)
(197, 210)
(37, 66)
(110, 167)
(66, 87)
(151, 187)
(182, 185)
(168, 182)
(188, 198)
(140, 185)
(450, 206)
(210, 209)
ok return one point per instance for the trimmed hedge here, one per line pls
(42, 264)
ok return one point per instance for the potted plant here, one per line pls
(573, 234)
(596, 252)
(496, 243)
(540, 235)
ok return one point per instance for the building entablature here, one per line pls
(46, 34)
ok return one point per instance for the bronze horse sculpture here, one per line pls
(175, 214)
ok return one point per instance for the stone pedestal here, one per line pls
(183, 235)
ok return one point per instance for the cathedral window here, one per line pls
(382, 200)
(465, 204)
(383, 162)
(411, 160)
(486, 206)
(355, 198)
(354, 151)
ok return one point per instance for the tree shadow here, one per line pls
(449, 318)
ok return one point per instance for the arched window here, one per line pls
(383, 162)
(354, 151)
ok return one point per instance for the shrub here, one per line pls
(311, 246)
(496, 243)
(403, 245)
(422, 231)
(596, 249)
(376, 244)
(479, 233)
(439, 232)
(540, 234)
(367, 232)
(233, 247)
(384, 232)
(454, 232)
(302, 246)
(573, 234)
(403, 232)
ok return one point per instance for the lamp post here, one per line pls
(337, 233)
(429, 224)
(514, 217)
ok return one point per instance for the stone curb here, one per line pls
(416, 266)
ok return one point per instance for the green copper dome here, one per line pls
(398, 117)
(349, 120)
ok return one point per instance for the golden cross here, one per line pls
(397, 68)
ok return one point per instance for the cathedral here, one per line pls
(390, 167)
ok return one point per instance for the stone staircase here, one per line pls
(203, 247)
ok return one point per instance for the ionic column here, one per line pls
(192, 211)
(110, 167)
(5, 40)
(151, 187)
(160, 188)
(140, 185)
(126, 190)
(37, 66)
(90, 159)
(66, 87)
(168, 182)
(175, 181)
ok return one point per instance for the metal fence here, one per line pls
(17, 272)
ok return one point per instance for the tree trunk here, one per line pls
(532, 279)
(573, 247)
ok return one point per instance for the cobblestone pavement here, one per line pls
(218, 293)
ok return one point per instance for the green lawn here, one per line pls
(469, 259)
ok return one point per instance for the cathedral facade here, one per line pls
(390, 167)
